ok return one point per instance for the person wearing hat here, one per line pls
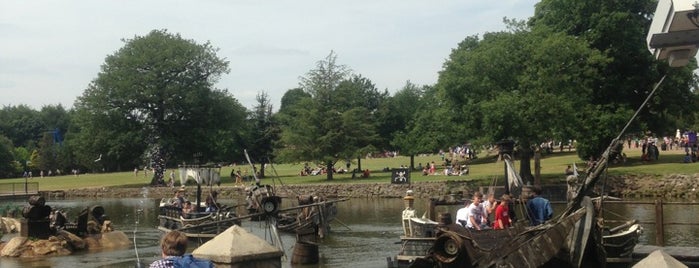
(179, 200)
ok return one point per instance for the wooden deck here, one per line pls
(687, 255)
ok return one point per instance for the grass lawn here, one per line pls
(482, 171)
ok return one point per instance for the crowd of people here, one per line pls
(648, 144)
(479, 214)
(450, 168)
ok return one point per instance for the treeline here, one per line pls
(576, 70)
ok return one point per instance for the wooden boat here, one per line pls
(312, 212)
(315, 213)
(519, 246)
(569, 240)
(262, 202)
(197, 226)
(620, 241)
(416, 243)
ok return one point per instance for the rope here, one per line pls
(641, 107)
(276, 176)
(616, 214)
(614, 142)
(601, 165)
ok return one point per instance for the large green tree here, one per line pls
(264, 131)
(155, 97)
(56, 121)
(618, 30)
(42, 131)
(522, 85)
(8, 165)
(435, 126)
(22, 125)
(334, 122)
(47, 153)
(400, 113)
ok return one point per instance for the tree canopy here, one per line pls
(617, 29)
(155, 98)
(334, 120)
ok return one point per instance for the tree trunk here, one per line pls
(525, 166)
(158, 166)
(412, 162)
(359, 164)
(329, 169)
(262, 168)
(537, 167)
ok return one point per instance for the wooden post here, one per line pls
(432, 210)
(659, 224)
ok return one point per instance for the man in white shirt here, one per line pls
(476, 212)
(471, 216)
(462, 215)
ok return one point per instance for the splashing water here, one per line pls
(137, 216)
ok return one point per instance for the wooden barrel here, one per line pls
(305, 253)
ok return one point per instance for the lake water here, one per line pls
(366, 234)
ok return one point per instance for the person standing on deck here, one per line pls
(539, 208)
(502, 213)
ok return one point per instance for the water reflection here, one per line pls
(367, 232)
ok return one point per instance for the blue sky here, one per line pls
(51, 50)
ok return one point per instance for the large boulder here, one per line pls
(13, 248)
(75, 241)
(114, 239)
(52, 246)
(9, 225)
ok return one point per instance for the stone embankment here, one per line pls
(678, 186)
(341, 190)
(673, 186)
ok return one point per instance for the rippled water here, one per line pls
(366, 234)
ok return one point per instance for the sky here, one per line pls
(50, 50)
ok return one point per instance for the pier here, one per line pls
(18, 190)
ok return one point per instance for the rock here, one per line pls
(115, 239)
(54, 246)
(72, 239)
(41, 247)
(91, 242)
(13, 248)
(9, 225)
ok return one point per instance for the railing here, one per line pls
(660, 222)
(19, 188)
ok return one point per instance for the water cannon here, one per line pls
(674, 31)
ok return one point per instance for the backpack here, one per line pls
(187, 260)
